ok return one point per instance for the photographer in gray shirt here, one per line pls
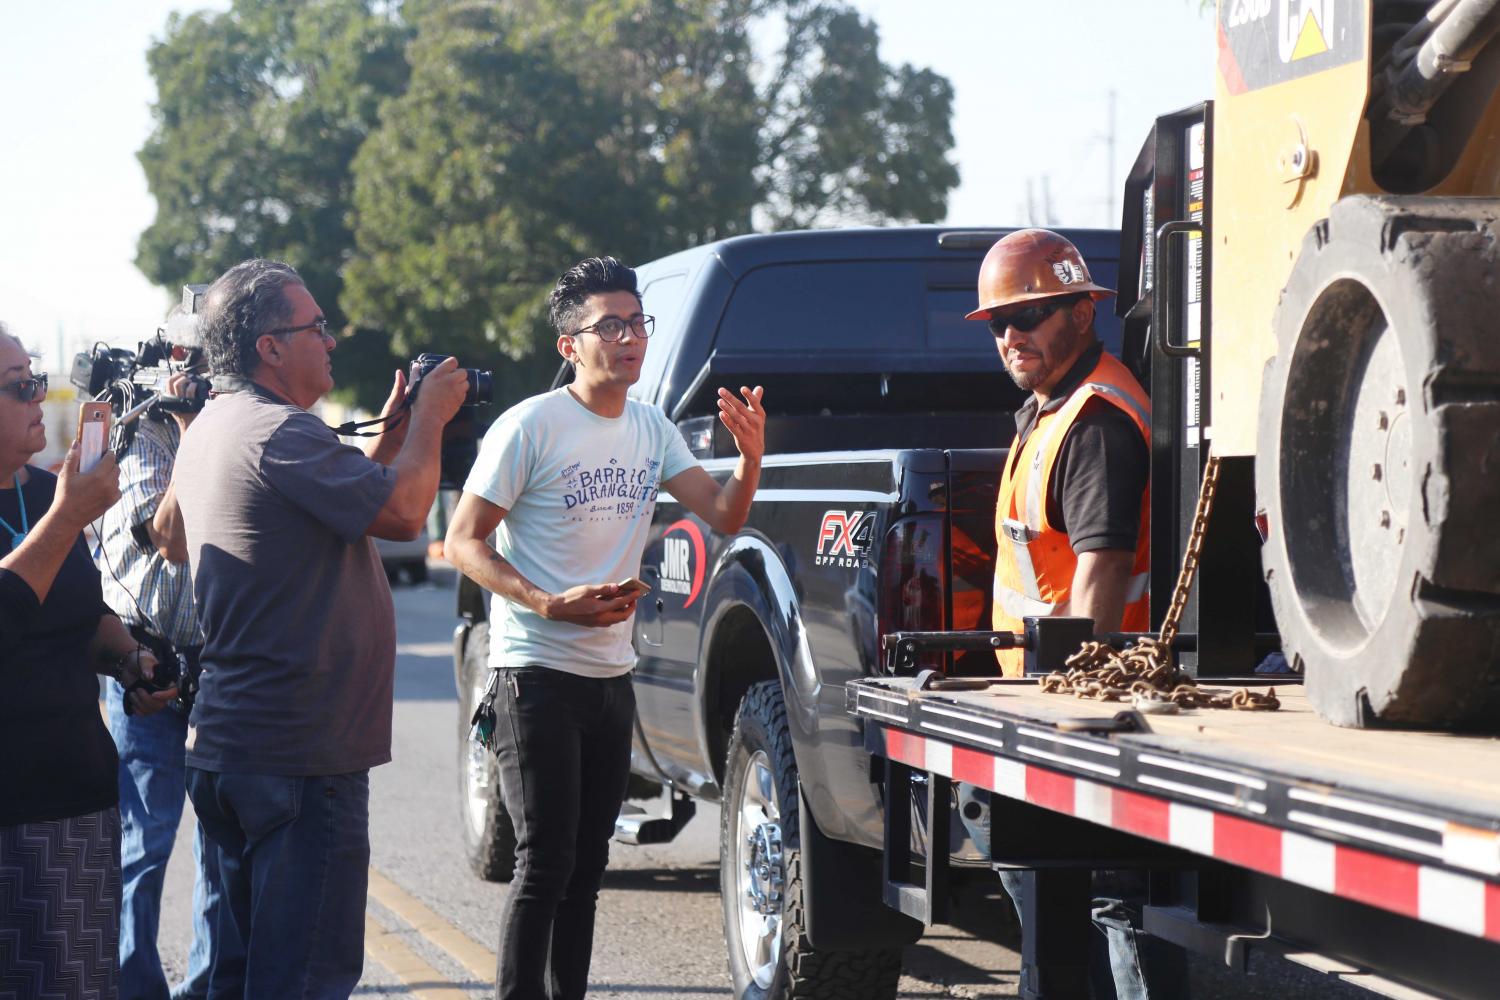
(294, 704)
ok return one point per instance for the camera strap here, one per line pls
(351, 428)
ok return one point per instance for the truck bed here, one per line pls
(1405, 821)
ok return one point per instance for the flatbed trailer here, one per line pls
(1372, 855)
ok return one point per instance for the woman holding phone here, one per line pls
(59, 822)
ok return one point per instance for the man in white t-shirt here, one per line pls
(567, 482)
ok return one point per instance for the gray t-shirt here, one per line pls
(299, 629)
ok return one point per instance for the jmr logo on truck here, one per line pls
(844, 538)
(682, 560)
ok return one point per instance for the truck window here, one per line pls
(873, 312)
(661, 297)
(856, 308)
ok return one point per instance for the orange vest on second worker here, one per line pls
(1034, 561)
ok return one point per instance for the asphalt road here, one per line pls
(432, 926)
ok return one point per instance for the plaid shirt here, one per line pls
(143, 588)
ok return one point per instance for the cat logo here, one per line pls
(1266, 42)
(1304, 28)
(1069, 272)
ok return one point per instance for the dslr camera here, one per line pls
(481, 390)
(129, 378)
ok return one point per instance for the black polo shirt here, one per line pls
(1101, 473)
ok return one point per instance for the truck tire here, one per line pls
(760, 874)
(1378, 463)
(489, 837)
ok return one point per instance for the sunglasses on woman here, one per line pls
(27, 389)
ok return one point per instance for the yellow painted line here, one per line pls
(424, 982)
(473, 956)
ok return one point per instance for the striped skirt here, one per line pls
(60, 908)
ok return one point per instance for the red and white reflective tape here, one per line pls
(1438, 896)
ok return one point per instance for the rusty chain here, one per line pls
(1146, 673)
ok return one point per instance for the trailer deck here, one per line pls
(1408, 822)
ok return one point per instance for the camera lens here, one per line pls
(480, 389)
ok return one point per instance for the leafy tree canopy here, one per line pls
(259, 112)
(432, 166)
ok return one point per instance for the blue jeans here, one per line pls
(294, 857)
(563, 743)
(152, 792)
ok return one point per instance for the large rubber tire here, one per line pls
(489, 838)
(1378, 463)
(770, 957)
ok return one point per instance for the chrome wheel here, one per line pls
(761, 870)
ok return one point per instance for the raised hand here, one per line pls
(746, 420)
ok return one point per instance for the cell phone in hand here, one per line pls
(93, 434)
(631, 585)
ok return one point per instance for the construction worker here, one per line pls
(1071, 521)
(1071, 525)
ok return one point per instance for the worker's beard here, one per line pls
(1055, 355)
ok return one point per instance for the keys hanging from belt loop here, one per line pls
(482, 724)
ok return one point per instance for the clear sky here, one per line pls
(1033, 83)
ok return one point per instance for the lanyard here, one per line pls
(17, 537)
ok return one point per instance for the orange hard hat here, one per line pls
(1031, 264)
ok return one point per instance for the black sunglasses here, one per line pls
(1027, 318)
(27, 389)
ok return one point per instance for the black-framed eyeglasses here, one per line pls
(321, 325)
(612, 328)
(1027, 318)
(27, 389)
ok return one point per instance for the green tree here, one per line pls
(471, 191)
(535, 131)
(259, 111)
(431, 165)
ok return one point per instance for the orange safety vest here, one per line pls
(1034, 562)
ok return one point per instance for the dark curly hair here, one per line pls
(238, 308)
(589, 276)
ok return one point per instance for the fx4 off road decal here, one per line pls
(844, 538)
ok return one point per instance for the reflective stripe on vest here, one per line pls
(1019, 605)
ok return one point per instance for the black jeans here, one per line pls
(564, 747)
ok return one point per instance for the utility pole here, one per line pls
(1111, 219)
(1030, 205)
(1047, 201)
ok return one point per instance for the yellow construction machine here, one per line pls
(1316, 303)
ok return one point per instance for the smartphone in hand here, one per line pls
(631, 585)
(93, 434)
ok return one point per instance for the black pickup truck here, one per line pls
(887, 414)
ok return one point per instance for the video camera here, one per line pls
(135, 382)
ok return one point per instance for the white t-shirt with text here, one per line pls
(579, 490)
